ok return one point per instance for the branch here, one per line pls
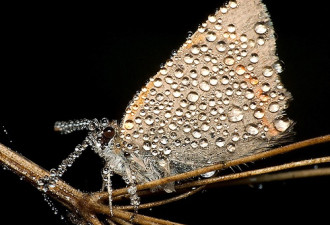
(198, 172)
(90, 205)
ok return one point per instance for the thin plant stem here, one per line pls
(251, 158)
(163, 202)
(266, 170)
(89, 205)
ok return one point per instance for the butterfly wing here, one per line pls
(218, 98)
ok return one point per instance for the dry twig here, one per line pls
(90, 205)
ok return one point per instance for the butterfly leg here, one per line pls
(47, 182)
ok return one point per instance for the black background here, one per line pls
(63, 62)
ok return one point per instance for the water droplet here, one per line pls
(147, 145)
(235, 137)
(172, 126)
(205, 127)
(203, 143)
(229, 61)
(274, 107)
(220, 142)
(259, 113)
(240, 70)
(265, 87)
(268, 71)
(252, 129)
(204, 86)
(186, 128)
(249, 94)
(128, 124)
(231, 147)
(235, 114)
(195, 49)
(194, 144)
(260, 28)
(196, 134)
(223, 9)
(232, 4)
(167, 150)
(178, 73)
(231, 28)
(176, 93)
(254, 58)
(208, 174)
(192, 96)
(149, 120)
(188, 59)
(282, 124)
(158, 82)
(278, 66)
(211, 36)
(213, 81)
(260, 41)
(212, 18)
(205, 71)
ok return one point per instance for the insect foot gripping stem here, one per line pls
(100, 132)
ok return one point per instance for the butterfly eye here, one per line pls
(127, 154)
(108, 133)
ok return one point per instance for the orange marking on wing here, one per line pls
(265, 98)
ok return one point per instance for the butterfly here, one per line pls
(218, 98)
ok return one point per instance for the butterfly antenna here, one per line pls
(67, 127)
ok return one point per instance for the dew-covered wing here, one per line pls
(218, 98)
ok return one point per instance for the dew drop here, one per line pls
(278, 66)
(208, 174)
(231, 28)
(192, 96)
(282, 124)
(268, 71)
(235, 137)
(203, 143)
(240, 70)
(149, 120)
(188, 59)
(229, 61)
(260, 41)
(196, 134)
(254, 58)
(205, 127)
(221, 46)
(220, 142)
(231, 147)
(167, 150)
(128, 124)
(211, 36)
(205, 71)
(273, 107)
(232, 4)
(212, 18)
(252, 129)
(213, 81)
(204, 86)
(260, 28)
(258, 113)
(265, 87)
(195, 49)
(147, 145)
(236, 114)
(178, 73)
(249, 94)
(158, 82)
